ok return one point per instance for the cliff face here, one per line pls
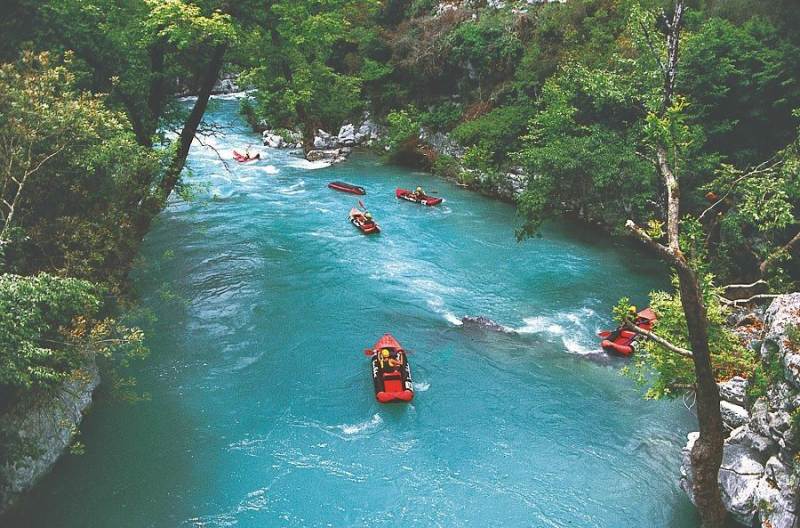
(760, 468)
(45, 426)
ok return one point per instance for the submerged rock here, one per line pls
(485, 322)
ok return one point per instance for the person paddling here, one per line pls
(419, 194)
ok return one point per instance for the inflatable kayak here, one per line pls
(622, 341)
(346, 187)
(243, 158)
(367, 226)
(403, 194)
(391, 374)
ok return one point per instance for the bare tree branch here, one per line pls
(740, 302)
(657, 339)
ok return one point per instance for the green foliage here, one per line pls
(765, 374)
(403, 129)
(300, 78)
(36, 316)
(48, 330)
(478, 157)
(442, 117)
(668, 373)
(446, 166)
(488, 45)
(497, 132)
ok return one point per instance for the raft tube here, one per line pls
(346, 187)
(404, 194)
(358, 219)
(242, 158)
(622, 341)
(391, 379)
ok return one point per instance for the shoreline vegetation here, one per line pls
(675, 123)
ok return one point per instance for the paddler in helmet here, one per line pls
(419, 194)
(368, 218)
(386, 359)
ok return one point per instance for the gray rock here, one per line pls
(273, 140)
(347, 135)
(733, 415)
(734, 391)
(776, 496)
(759, 419)
(49, 424)
(739, 475)
(782, 313)
(687, 472)
(325, 141)
(763, 445)
(328, 155)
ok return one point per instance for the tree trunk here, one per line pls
(706, 455)
(153, 204)
(192, 123)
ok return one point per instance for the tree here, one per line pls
(134, 51)
(667, 131)
(304, 77)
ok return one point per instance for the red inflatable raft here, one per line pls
(346, 187)
(366, 226)
(404, 194)
(622, 341)
(391, 374)
(243, 158)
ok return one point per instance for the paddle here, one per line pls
(369, 352)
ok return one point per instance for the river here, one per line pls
(262, 297)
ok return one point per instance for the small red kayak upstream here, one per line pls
(244, 158)
(391, 373)
(424, 199)
(622, 341)
(346, 187)
(362, 222)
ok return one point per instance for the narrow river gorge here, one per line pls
(262, 412)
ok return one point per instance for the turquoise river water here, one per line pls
(262, 412)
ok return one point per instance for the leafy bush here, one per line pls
(403, 128)
(441, 118)
(446, 166)
(498, 131)
(673, 373)
(36, 313)
(478, 157)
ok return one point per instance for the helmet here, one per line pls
(368, 215)
(632, 309)
(419, 189)
(385, 352)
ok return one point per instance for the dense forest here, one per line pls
(599, 102)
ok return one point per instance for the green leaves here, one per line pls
(185, 26)
(34, 315)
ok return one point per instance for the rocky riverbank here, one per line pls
(39, 429)
(760, 468)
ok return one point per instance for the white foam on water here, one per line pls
(421, 386)
(362, 427)
(300, 163)
(576, 328)
(437, 305)
(270, 169)
(539, 325)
